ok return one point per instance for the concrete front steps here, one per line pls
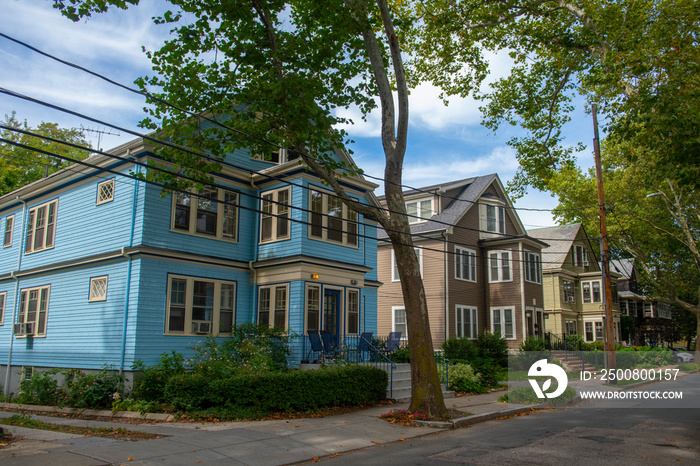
(572, 363)
(401, 385)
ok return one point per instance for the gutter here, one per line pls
(15, 311)
(256, 245)
(128, 271)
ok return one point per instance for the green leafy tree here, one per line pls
(279, 71)
(20, 166)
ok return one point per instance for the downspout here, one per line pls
(15, 311)
(128, 272)
(253, 272)
(447, 289)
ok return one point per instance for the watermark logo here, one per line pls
(543, 369)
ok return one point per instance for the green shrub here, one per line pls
(463, 378)
(532, 344)
(92, 391)
(493, 347)
(401, 356)
(150, 384)
(246, 396)
(492, 374)
(40, 389)
(460, 349)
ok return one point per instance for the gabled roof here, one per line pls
(623, 266)
(560, 239)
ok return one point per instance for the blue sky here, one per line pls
(445, 143)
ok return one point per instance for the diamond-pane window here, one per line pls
(105, 191)
(98, 289)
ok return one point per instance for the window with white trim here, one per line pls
(98, 289)
(571, 327)
(648, 310)
(313, 308)
(105, 191)
(274, 219)
(569, 292)
(419, 210)
(502, 322)
(9, 226)
(331, 220)
(278, 156)
(272, 306)
(590, 290)
(499, 266)
(33, 307)
(598, 330)
(465, 264)
(466, 322)
(211, 212)
(353, 315)
(579, 257)
(399, 322)
(495, 219)
(395, 268)
(533, 267)
(199, 306)
(589, 331)
(3, 298)
(41, 226)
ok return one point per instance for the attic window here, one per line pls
(495, 219)
(277, 155)
(419, 210)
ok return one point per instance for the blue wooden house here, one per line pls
(98, 269)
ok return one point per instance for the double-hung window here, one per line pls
(499, 266)
(589, 331)
(9, 226)
(210, 212)
(200, 306)
(591, 292)
(272, 306)
(3, 298)
(466, 322)
(495, 219)
(331, 220)
(395, 267)
(353, 313)
(399, 321)
(41, 226)
(465, 264)
(33, 307)
(502, 322)
(623, 308)
(599, 330)
(569, 293)
(419, 211)
(533, 267)
(313, 308)
(580, 257)
(274, 219)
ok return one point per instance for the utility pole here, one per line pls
(609, 332)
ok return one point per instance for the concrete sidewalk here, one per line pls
(250, 442)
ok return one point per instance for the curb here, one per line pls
(163, 417)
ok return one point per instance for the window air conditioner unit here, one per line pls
(585, 263)
(570, 299)
(22, 329)
(199, 326)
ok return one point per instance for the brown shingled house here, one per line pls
(481, 271)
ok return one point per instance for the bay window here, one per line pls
(331, 220)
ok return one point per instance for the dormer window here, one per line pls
(278, 156)
(419, 210)
(495, 219)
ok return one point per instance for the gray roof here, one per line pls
(623, 266)
(560, 240)
(467, 197)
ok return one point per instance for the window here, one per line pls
(395, 268)
(105, 191)
(571, 327)
(647, 310)
(533, 267)
(272, 306)
(589, 331)
(664, 311)
(212, 212)
(275, 215)
(623, 307)
(580, 257)
(353, 324)
(98, 289)
(466, 322)
(419, 211)
(399, 324)
(331, 220)
(569, 294)
(33, 307)
(3, 298)
(502, 322)
(598, 330)
(499, 266)
(495, 219)
(278, 156)
(41, 224)
(465, 264)
(591, 292)
(200, 306)
(9, 225)
(313, 308)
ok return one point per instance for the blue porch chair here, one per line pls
(364, 344)
(316, 346)
(392, 342)
(329, 343)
